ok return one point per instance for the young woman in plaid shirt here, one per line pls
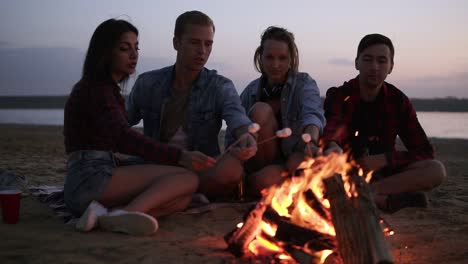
(96, 126)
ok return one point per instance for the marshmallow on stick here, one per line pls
(253, 128)
(283, 133)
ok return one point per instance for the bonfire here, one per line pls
(324, 213)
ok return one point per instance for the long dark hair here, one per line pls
(279, 34)
(97, 64)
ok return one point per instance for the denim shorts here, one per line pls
(88, 173)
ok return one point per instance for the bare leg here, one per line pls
(267, 153)
(146, 188)
(222, 178)
(177, 205)
(264, 178)
(273, 174)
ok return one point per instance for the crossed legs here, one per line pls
(222, 178)
(418, 176)
(265, 164)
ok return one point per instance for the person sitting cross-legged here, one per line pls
(364, 117)
(98, 188)
(281, 98)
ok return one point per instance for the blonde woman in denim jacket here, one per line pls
(280, 98)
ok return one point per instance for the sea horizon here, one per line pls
(436, 104)
(435, 124)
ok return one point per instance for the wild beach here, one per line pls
(437, 234)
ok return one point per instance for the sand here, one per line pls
(438, 234)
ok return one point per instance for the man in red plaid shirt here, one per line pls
(364, 117)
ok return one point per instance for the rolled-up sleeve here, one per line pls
(312, 113)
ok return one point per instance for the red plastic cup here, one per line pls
(10, 201)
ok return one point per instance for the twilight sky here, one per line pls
(42, 43)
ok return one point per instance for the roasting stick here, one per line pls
(283, 133)
(253, 128)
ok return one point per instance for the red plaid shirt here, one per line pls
(95, 119)
(396, 116)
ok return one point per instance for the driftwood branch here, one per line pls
(358, 232)
(370, 221)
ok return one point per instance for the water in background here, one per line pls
(436, 124)
(33, 116)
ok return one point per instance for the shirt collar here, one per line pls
(289, 83)
(382, 97)
(199, 81)
(356, 92)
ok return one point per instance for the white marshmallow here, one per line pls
(284, 133)
(306, 138)
(254, 128)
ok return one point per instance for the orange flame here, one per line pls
(288, 201)
(325, 253)
(269, 229)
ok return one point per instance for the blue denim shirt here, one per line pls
(300, 106)
(212, 99)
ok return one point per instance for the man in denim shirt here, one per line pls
(184, 105)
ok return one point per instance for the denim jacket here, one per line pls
(213, 98)
(300, 106)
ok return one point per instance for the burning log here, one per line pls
(301, 256)
(315, 204)
(358, 232)
(314, 217)
(311, 198)
(239, 239)
(293, 234)
(297, 235)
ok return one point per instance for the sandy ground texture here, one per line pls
(438, 234)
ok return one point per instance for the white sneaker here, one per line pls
(89, 219)
(133, 223)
